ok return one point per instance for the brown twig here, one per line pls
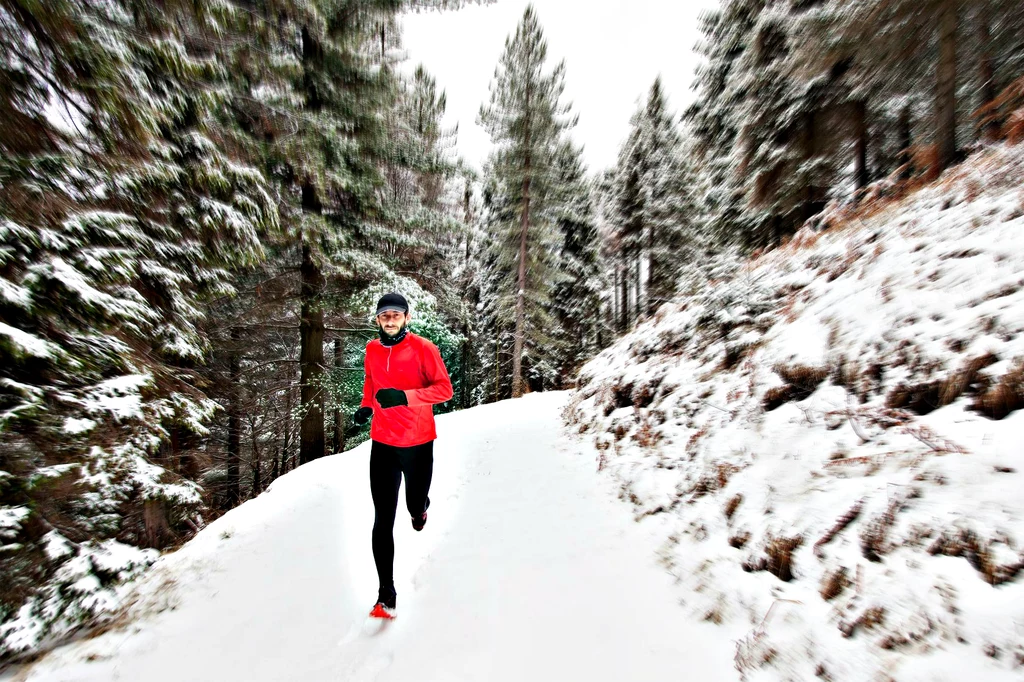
(841, 523)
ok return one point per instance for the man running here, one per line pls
(404, 378)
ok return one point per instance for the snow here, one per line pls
(74, 426)
(119, 396)
(528, 569)
(56, 545)
(10, 521)
(25, 343)
(130, 306)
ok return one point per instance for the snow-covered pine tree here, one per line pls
(576, 300)
(713, 119)
(667, 204)
(629, 197)
(403, 223)
(778, 155)
(120, 216)
(650, 207)
(527, 123)
(966, 50)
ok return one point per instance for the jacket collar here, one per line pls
(386, 340)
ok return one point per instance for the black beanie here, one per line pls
(392, 301)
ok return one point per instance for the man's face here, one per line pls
(391, 321)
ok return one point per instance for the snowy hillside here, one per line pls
(831, 438)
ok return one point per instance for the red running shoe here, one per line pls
(382, 611)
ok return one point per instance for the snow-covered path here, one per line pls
(528, 569)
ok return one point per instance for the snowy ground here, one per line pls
(528, 569)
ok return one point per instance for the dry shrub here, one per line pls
(868, 619)
(1005, 396)
(1002, 292)
(964, 379)
(873, 539)
(715, 480)
(841, 523)
(1013, 130)
(778, 396)
(801, 382)
(647, 436)
(739, 540)
(925, 159)
(802, 376)
(700, 433)
(733, 504)
(834, 582)
(965, 543)
(622, 395)
(778, 557)
(869, 460)
(643, 395)
(1005, 112)
(734, 353)
(933, 440)
(920, 399)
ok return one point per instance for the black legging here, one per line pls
(387, 464)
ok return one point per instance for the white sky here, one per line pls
(613, 49)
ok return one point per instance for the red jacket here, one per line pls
(412, 365)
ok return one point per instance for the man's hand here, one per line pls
(362, 415)
(391, 397)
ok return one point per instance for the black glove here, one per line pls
(391, 397)
(362, 415)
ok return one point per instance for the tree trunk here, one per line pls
(467, 355)
(517, 351)
(257, 469)
(638, 308)
(231, 483)
(286, 446)
(154, 516)
(945, 90)
(338, 442)
(623, 296)
(311, 348)
(518, 342)
(904, 157)
(652, 284)
(497, 365)
(811, 200)
(466, 382)
(986, 75)
(860, 131)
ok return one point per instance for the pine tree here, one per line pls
(714, 120)
(576, 301)
(121, 216)
(651, 207)
(526, 122)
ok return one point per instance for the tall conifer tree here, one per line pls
(527, 122)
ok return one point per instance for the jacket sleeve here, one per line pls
(439, 386)
(367, 382)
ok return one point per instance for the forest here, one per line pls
(200, 203)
